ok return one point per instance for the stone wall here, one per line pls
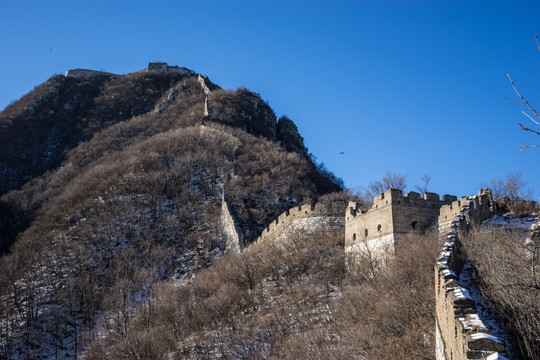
(476, 208)
(231, 235)
(163, 67)
(305, 218)
(391, 217)
(460, 332)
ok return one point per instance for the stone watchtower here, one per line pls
(391, 217)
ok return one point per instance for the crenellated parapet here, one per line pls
(460, 330)
(412, 198)
(475, 209)
(308, 215)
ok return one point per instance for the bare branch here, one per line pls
(525, 147)
(530, 117)
(513, 101)
(521, 97)
(523, 127)
(425, 182)
(537, 43)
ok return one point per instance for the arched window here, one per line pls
(365, 233)
(414, 223)
(379, 228)
(354, 236)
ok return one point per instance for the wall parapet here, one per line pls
(460, 331)
(287, 218)
(396, 197)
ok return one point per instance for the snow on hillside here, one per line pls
(510, 221)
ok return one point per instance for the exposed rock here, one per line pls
(290, 138)
(242, 109)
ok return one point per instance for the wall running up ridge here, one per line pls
(460, 332)
(233, 238)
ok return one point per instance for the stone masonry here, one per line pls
(460, 330)
(305, 218)
(391, 217)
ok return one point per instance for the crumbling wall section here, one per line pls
(460, 332)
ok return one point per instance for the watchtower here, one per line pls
(391, 217)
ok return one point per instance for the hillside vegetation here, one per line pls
(113, 185)
(508, 273)
(289, 300)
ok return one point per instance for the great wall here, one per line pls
(317, 216)
(391, 217)
(460, 330)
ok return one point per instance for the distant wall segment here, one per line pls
(163, 67)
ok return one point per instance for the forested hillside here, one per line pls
(113, 184)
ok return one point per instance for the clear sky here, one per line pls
(416, 87)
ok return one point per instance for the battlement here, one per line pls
(299, 213)
(163, 67)
(395, 197)
(477, 207)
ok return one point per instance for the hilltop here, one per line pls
(114, 183)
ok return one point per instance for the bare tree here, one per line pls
(389, 181)
(511, 186)
(535, 117)
(423, 187)
(508, 272)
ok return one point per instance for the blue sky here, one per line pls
(416, 87)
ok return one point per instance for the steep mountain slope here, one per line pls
(292, 299)
(114, 183)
